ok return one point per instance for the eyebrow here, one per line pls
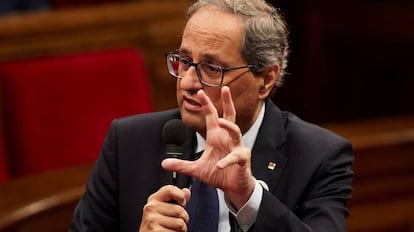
(204, 57)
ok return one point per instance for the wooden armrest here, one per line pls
(43, 202)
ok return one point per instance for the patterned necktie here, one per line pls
(203, 208)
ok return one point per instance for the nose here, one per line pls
(190, 80)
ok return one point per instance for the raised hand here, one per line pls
(225, 163)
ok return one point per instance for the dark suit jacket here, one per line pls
(308, 189)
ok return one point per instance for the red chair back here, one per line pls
(58, 109)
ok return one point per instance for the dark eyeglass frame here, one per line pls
(174, 54)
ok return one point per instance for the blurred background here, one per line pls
(68, 67)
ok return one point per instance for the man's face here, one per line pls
(215, 36)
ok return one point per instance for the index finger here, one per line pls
(210, 110)
(229, 111)
(169, 193)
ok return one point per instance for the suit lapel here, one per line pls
(268, 156)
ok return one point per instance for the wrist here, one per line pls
(239, 198)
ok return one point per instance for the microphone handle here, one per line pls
(174, 178)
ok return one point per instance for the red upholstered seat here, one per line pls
(57, 109)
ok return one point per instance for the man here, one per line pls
(271, 171)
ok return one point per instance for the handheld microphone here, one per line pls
(174, 134)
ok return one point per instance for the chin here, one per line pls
(195, 122)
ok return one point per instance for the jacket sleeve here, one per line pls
(97, 210)
(323, 207)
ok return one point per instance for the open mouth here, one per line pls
(191, 104)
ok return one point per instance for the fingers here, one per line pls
(240, 156)
(158, 214)
(233, 130)
(210, 111)
(227, 123)
(229, 111)
(160, 217)
(178, 165)
(169, 193)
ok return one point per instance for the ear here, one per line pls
(270, 76)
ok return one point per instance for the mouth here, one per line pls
(191, 104)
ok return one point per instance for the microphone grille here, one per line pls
(174, 132)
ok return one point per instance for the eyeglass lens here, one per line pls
(207, 73)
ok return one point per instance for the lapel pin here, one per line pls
(271, 166)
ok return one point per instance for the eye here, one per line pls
(185, 63)
(211, 70)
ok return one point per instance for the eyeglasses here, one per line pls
(208, 74)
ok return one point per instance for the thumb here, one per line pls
(178, 165)
(187, 193)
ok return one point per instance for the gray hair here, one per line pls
(265, 40)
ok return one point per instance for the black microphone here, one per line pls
(174, 134)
